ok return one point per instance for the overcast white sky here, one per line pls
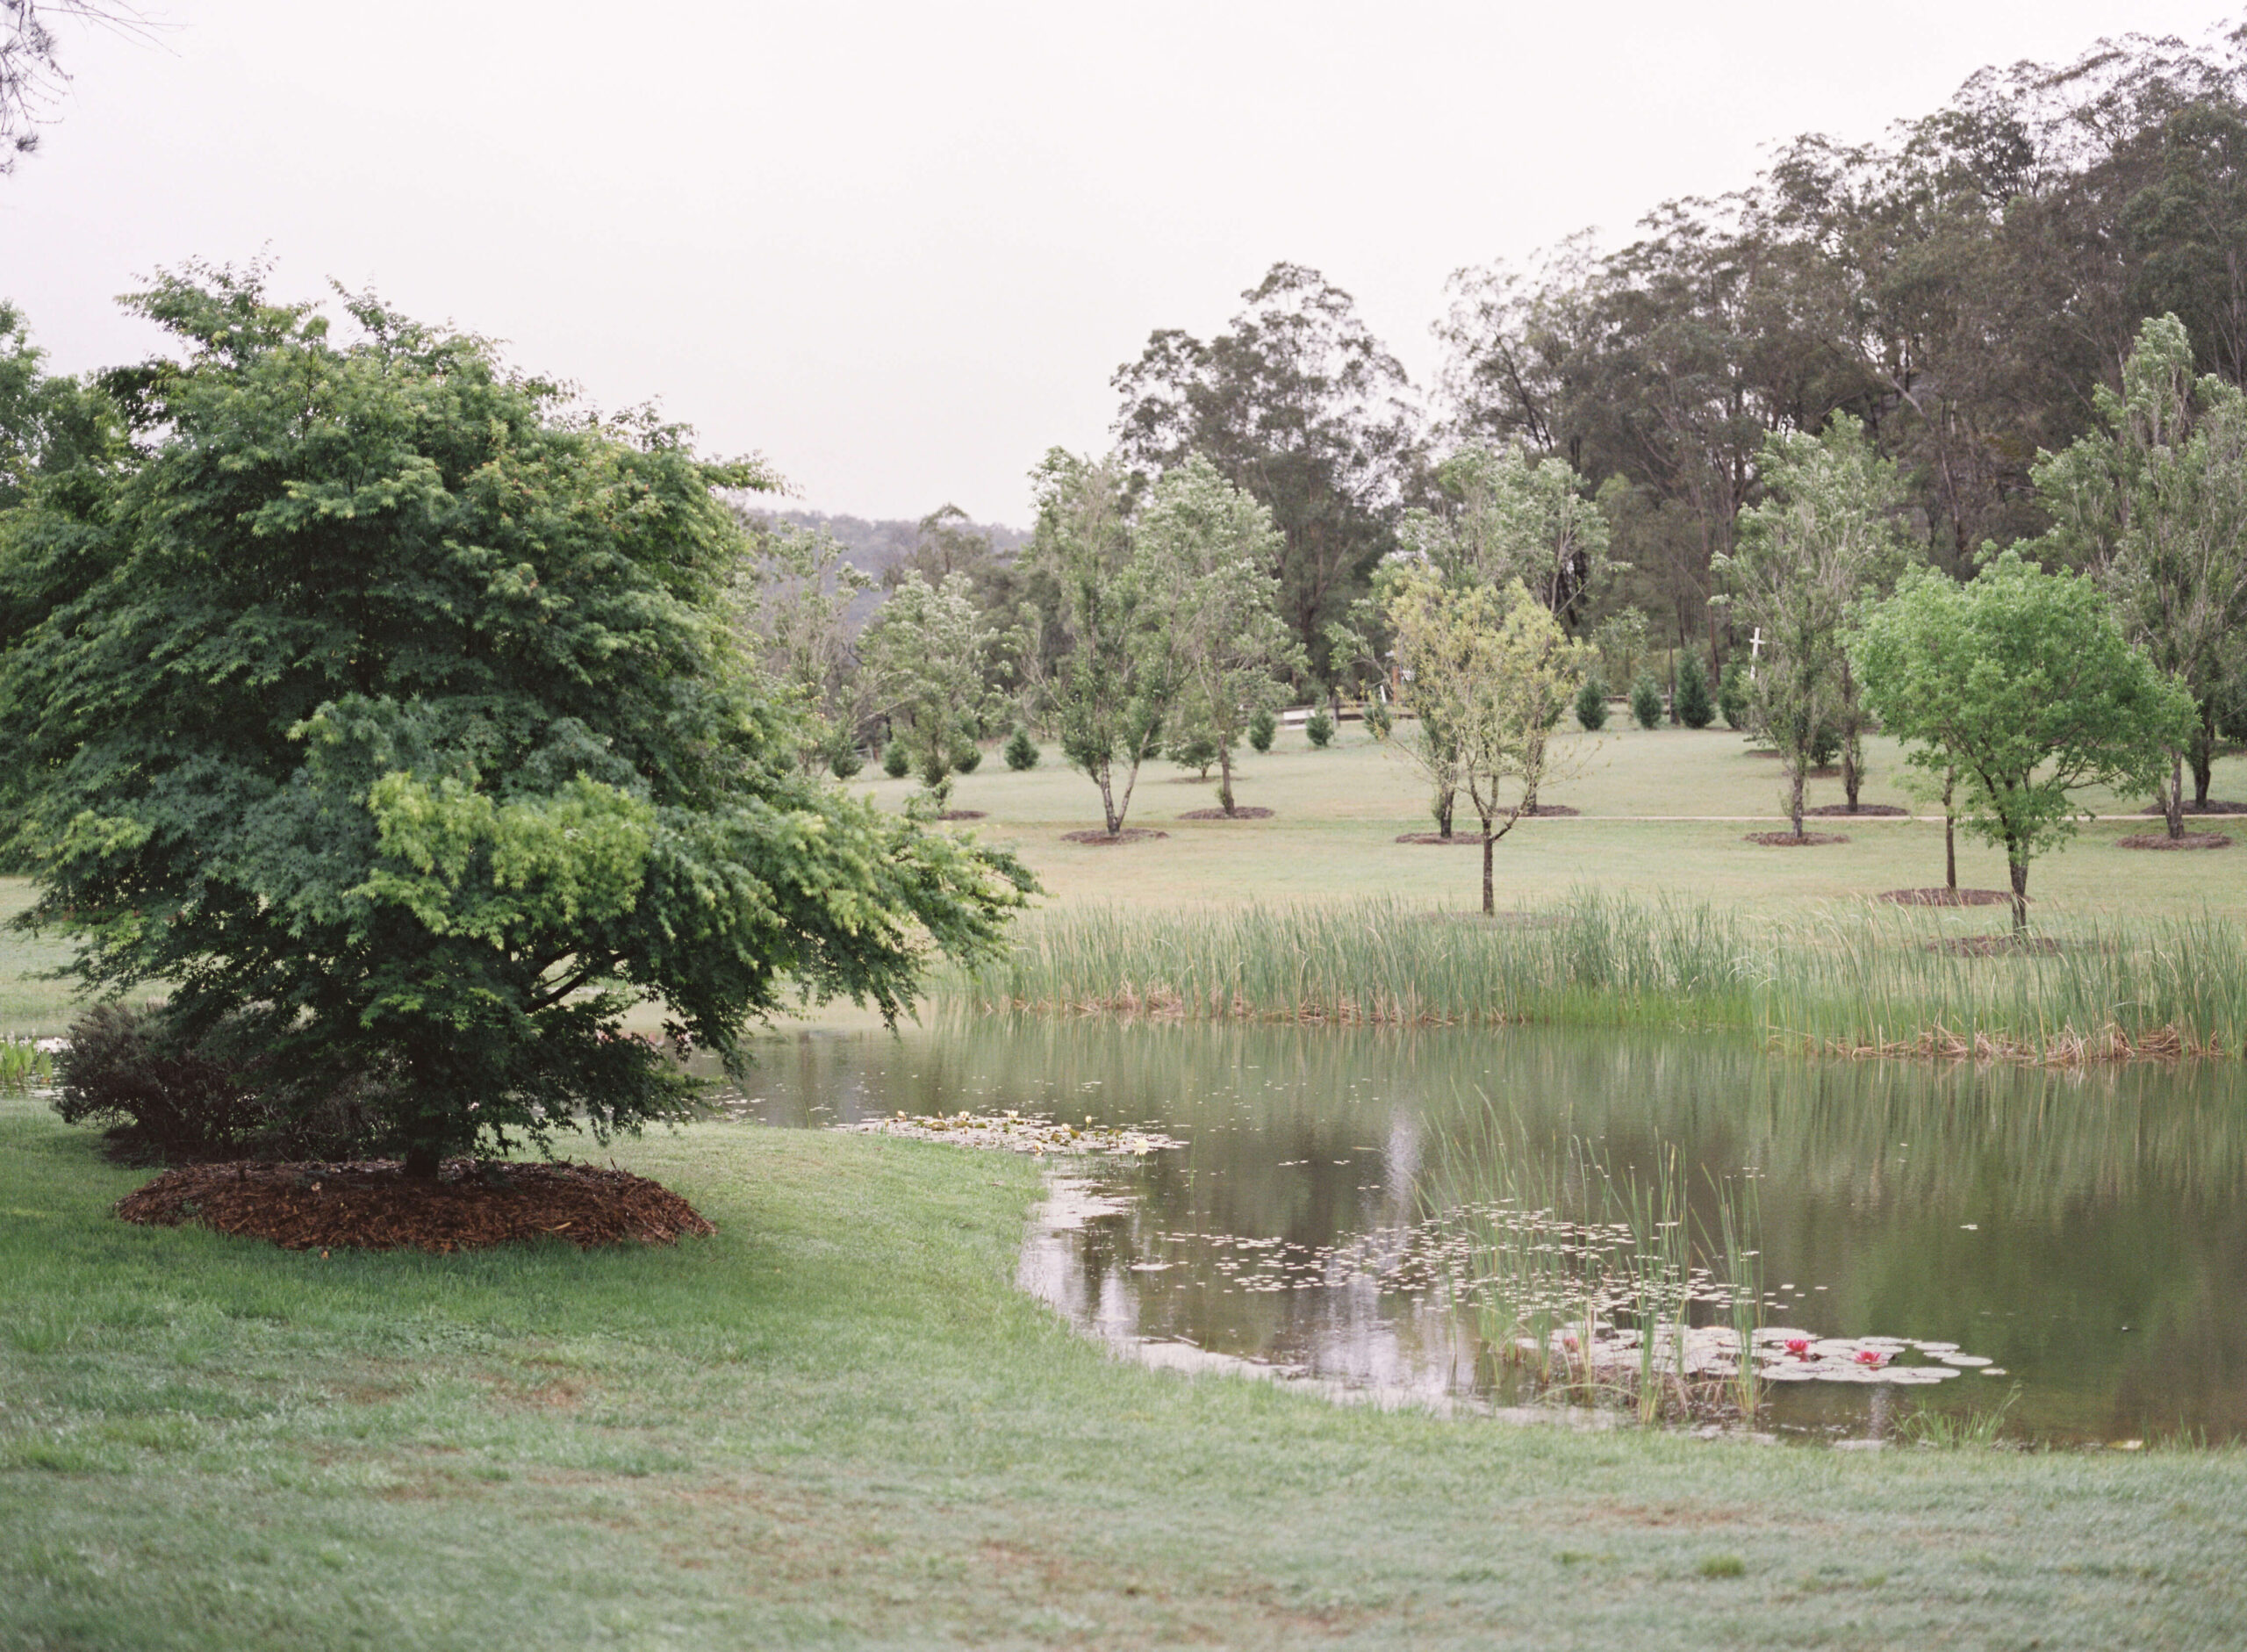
(899, 248)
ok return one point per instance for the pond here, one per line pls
(2068, 1249)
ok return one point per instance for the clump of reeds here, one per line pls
(1857, 979)
(24, 1066)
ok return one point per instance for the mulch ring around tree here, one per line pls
(961, 814)
(1946, 897)
(1788, 840)
(1095, 835)
(1861, 810)
(1218, 813)
(1993, 945)
(2163, 840)
(2214, 806)
(369, 1205)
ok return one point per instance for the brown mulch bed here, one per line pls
(1993, 945)
(1861, 809)
(1788, 840)
(2163, 840)
(369, 1205)
(2214, 806)
(1218, 813)
(1551, 811)
(961, 814)
(1128, 835)
(1947, 897)
(1438, 837)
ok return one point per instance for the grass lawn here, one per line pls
(838, 1423)
(1337, 814)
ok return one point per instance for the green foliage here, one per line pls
(896, 761)
(395, 717)
(1695, 707)
(1318, 727)
(1646, 701)
(1115, 684)
(1591, 705)
(793, 597)
(1507, 517)
(2021, 682)
(844, 758)
(1263, 728)
(1196, 749)
(1021, 752)
(928, 651)
(1379, 722)
(1824, 746)
(1732, 694)
(966, 756)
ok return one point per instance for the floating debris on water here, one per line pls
(1015, 1132)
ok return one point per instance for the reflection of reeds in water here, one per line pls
(1850, 981)
(1597, 1285)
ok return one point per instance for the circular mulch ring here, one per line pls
(2214, 806)
(1828, 810)
(1438, 837)
(961, 814)
(1947, 897)
(1128, 835)
(1550, 811)
(1993, 945)
(369, 1205)
(1788, 840)
(1218, 813)
(2163, 840)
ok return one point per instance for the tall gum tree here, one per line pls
(395, 716)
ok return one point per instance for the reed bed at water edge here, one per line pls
(1853, 979)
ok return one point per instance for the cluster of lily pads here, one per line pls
(1010, 1132)
(1776, 1354)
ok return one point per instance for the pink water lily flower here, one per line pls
(1800, 1346)
(1873, 1357)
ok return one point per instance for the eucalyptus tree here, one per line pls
(793, 596)
(1826, 537)
(1493, 670)
(1299, 405)
(1118, 675)
(928, 652)
(1506, 517)
(391, 715)
(1210, 547)
(2155, 504)
(2016, 689)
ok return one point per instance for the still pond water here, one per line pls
(2078, 1239)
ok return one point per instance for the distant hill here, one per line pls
(875, 548)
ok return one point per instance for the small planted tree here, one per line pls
(1115, 681)
(793, 597)
(1495, 669)
(1263, 728)
(394, 716)
(1646, 701)
(1021, 751)
(1825, 538)
(1318, 729)
(1592, 706)
(927, 650)
(1696, 709)
(1732, 694)
(1208, 545)
(2021, 684)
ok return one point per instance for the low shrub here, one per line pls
(1732, 694)
(895, 760)
(1378, 720)
(1591, 705)
(844, 759)
(1261, 728)
(1197, 749)
(1320, 728)
(1646, 701)
(1021, 752)
(966, 757)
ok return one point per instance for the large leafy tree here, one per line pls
(1209, 546)
(1826, 537)
(1298, 403)
(927, 652)
(793, 597)
(2021, 685)
(393, 716)
(2155, 503)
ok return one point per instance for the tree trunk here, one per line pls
(1489, 902)
(1444, 801)
(1794, 797)
(1224, 779)
(1107, 804)
(2018, 865)
(2173, 805)
(422, 1159)
(1852, 740)
(1949, 850)
(2204, 753)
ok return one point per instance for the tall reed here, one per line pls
(1851, 979)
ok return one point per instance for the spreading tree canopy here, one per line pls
(2021, 684)
(392, 713)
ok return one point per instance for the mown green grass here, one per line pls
(838, 1423)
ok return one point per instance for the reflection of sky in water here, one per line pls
(2088, 1231)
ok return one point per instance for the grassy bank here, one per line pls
(818, 1430)
(1849, 979)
